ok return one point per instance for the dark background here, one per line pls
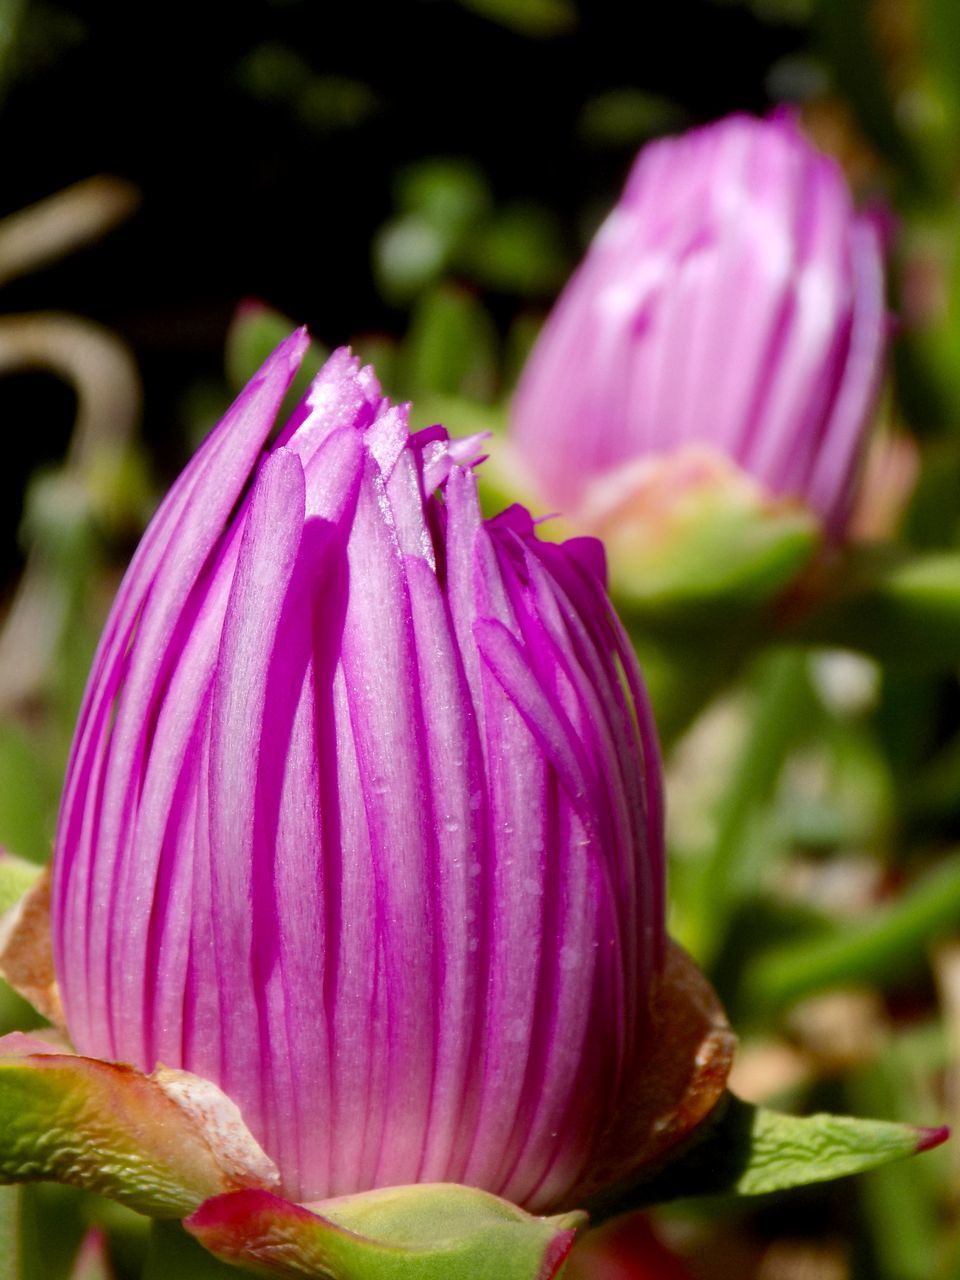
(246, 194)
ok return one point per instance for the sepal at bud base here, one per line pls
(698, 557)
(697, 554)
(160, 1144)
(428, 1231)
(172, 1144)
(688, 535)
(26, 948)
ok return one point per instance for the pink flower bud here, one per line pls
(732, 300)
(362, 819)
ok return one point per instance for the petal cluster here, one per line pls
(362, 819)
(733, 299)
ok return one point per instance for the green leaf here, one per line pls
(16, 877)
(438, 1231)
(28, 797)
(255, 331)
(277, 74)
(691, 542)
(539, 18)
(408, 255)
(627, 117)
(793, 1151)
(750, 1151)
(725, 557)
(519, 250)
(104, 1127)
(697, 558)
(884, 945)
(12, 15)
(899, 611)
(847, 39)
(33, 1244)
(901, 1202)
(452, 195)
(440, 204)
(938, 20)
(451, 347)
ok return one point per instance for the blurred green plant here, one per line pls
(447, 223)
(537, 18)
(322, 101)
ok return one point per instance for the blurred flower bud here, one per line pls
(362, 818)
(730, 307)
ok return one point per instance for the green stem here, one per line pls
(21, 1257)
(781, 708)
(881, 947)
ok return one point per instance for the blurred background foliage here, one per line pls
(418, 178)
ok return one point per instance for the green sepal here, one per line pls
(689, 539)
(159, 1148)
(746, 1150)
(699, 560)
(17, 876)
(430, 1231)
(724, 559)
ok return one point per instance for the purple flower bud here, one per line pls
(732, 300)
(362, 819)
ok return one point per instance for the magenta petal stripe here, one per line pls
(363, 814)
(157, 586)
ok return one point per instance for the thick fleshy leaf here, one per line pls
(750, 1151)
(430, 1231)
(160, 1144)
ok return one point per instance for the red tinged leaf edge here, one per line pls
(258, 1228)
(928, 1138)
